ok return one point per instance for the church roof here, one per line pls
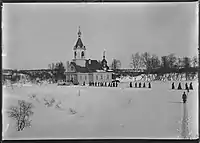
(91, 66)
(79, 68)
(79, 43)
(104, 60)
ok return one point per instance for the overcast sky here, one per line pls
(35, 35)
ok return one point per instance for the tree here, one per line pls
(21, 114)
(164, 62)
(146, 60)
(59, 71)
(136, 61)
(116, 64)
(194, 62)
(171, 58)
(155, 62)
(186, 64)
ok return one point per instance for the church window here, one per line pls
(96, 77)
(82, 54)
(80, 77)
(85, 77)
(101, 76)
(108, 76)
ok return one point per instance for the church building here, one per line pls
(81, 70)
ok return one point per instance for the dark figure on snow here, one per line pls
(116, 84)
(111, 84)
(149, 85)
(136, 84)
(84, 83)
(140, 85)
(130, 84)
(95, 83)
(184, 97)
(105, 84)
(191, 87)
(179, 86)
(144, 85)
(186, 86)
(89, 83)
(173, 87)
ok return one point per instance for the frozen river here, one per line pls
(106, 112)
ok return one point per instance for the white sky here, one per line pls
(35, 35)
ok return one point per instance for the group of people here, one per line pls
(105, 84)
(190, 87)
(140, 85)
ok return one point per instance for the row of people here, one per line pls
(190, 87)
(140, 85)
(105, 84)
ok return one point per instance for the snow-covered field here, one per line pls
(103, 112)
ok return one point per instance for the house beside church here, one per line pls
(81, 70)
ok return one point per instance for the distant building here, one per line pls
(81, 70)
(7, 74)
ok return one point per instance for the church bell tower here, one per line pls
(79, 51)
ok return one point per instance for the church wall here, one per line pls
(70, 76)
(83, 77)
(102, 77)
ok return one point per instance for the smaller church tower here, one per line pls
(79, 51)
(104, 62)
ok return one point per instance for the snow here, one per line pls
(102, 112)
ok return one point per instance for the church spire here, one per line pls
(104, 54)
(79, 31)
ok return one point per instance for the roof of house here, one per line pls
(91, 66)
(79, 68)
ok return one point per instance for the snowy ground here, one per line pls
(103, 112)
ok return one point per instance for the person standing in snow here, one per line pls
(191, 87)
(130, 84)
(184, 97)
(186, 86)
(173, 87)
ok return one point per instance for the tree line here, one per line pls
(152, 64)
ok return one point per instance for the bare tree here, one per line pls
(116, 64)
(146, 60)
(21, 114)
(171, 60)
(136, 61)
(194, 62)
(155, 62)
(179, 62)
(186, 63)
(164, 62)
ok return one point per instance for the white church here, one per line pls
(81, 70)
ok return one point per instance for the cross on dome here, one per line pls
(79, 32)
